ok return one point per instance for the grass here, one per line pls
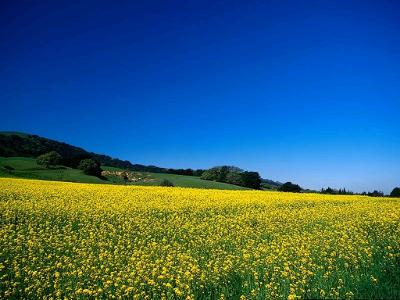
(154, 179)
(25, 167)
(195, 182)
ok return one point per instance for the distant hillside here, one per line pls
(17, 144)
(26, 167)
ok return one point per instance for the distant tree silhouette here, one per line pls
(336, 192)
(395, 192)
(376, 194)
(290, 187)
(251, 180)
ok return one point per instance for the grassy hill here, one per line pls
(18, 144)
(24, 167)
(24, 145)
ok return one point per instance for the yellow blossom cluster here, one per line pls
(86, 241)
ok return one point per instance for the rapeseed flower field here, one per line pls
(87, 241)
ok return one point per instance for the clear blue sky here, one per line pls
(306, 91)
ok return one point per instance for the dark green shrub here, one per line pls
(49, 159)
(376, 193)
(90, 167)
(290, 187)
(251, 180)
(395, 192)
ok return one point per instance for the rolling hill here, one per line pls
(18, 152)
(18, 144)
(26, 167)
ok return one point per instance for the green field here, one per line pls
(24, 167)
(28, 168)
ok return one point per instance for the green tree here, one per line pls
(233, 175)
(376, 193)
(198, 172)
(220, 173)
(49, 159)
(251, 180)
(290, 187)
(234, 178)
(211, 174)
(395, 192)
(90, 167)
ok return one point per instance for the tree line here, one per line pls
(27, 145)
(295, 188)
(88, 165)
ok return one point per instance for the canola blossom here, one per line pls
(85, 241)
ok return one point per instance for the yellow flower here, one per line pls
(71, 240)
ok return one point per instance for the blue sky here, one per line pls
(302, 91)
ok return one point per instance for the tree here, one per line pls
(51, 158)
(198, 172)
(336, 192)
(251, 180)
(90, 167)
(376, 193)
(234, 178)
(220, 173)
(233, 175)
(290, 187)
(328, 191)
(395, 192)
(211, 174)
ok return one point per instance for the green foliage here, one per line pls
(16, 144)
(234, 178)
(219, 173)
(332, 191)
(376, 193)
(233, 175)
(25, 167)
(290, 187)
(198, 172)
(166, 182)
(251, 179)
(49, 159)
(90, 167)
(395, 192)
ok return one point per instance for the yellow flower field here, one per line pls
(67, 240)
